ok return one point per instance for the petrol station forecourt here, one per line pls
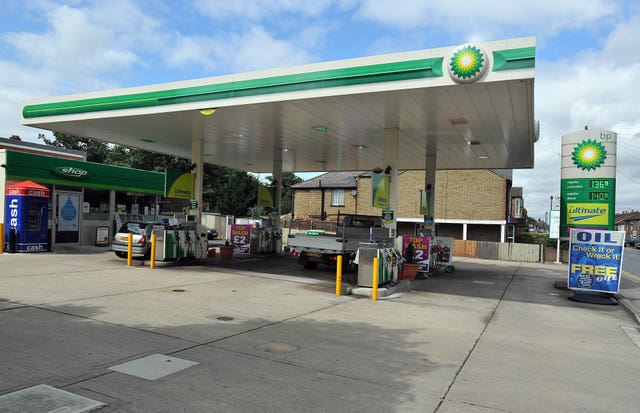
(459, 345)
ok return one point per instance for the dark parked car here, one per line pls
(141, 239)
(631, 242)
(212, 234)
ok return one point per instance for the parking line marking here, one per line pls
(631, 276)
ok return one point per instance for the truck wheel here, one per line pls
(309, 265)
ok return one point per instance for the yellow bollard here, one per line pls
(129, 249)
(152, 263)
(339, 276)
(1, 238)
(374, 291)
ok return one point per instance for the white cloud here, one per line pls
(82, 44)
(258, 10)
(257, 49)
(253, 49)
(488, 19)
(596, 89)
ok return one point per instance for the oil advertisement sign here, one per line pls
(595, 260)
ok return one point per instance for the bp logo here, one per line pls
(468, 64)
(589, 154)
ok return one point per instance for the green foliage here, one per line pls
(236, 194)
(526, 237)
(96, 151)
(256, 212)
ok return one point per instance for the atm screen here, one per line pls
(34, 221)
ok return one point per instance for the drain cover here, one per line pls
(46, 399)
(276, 348)
(153, 367)
(224, 318)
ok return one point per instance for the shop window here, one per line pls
(337, 197)
(96, 204)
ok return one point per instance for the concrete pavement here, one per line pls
(269, 336)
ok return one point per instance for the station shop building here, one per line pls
(94, 192)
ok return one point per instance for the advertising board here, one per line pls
(595, 260)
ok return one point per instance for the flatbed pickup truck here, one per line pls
(314, 246)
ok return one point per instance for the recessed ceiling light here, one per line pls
(359, 146)
(474, 142)
(322, 129)
(235, 134)
(285, 149)
(483, 157)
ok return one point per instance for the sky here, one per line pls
(587, 56)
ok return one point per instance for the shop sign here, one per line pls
(70, 172)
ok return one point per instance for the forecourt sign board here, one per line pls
(588, 181)
(595, 260)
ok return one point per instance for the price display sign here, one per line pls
(588, 181)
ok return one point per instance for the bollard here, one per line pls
(1, 237)
(129, 249)
(374, 291)
(339, 275)
(13, 235)
(152, 263)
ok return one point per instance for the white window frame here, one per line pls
(337, 197)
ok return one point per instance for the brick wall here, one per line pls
(472, 194)
(307, 203)
(460, 194)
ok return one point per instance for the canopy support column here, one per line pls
(430, 187)
(277, 178)
(197, 159)
(391, 140)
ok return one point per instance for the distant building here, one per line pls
(469, 204)
(629, 222)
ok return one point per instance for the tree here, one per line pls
(237, 194)
(96, 151)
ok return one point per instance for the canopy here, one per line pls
(469, 106)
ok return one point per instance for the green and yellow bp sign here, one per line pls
(588, 181)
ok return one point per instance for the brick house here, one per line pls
(469, 204)
(629, 222)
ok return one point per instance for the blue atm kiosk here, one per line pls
(26, 217)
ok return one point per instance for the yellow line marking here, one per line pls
(634, 277)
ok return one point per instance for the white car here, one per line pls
(141, 242)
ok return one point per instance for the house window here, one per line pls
(337, 197)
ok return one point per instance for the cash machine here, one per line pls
(26, 217)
